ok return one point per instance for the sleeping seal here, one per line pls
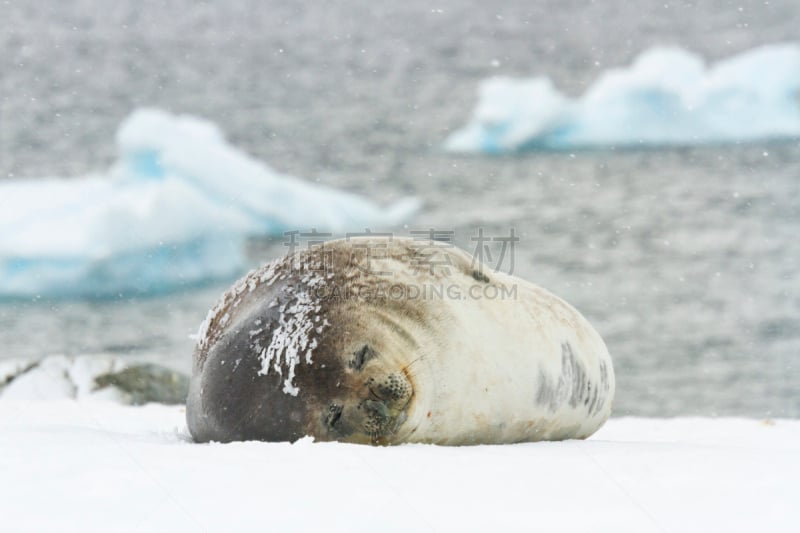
(376, 340)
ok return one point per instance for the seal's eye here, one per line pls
(333, 415)
(361, 356)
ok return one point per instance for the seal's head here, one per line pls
(284, 355)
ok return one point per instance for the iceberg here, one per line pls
(173, 211)
(668, 96)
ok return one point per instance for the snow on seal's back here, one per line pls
(292, 341)
(298, 324)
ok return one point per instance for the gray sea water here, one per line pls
(684, 259)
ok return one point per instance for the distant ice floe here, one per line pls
(174, 210)
(666, 97)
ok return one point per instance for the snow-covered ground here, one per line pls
(96, 466)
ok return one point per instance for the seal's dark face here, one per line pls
(285, 364)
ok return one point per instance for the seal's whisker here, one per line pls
(405, 368)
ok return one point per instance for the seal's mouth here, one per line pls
(380, 425)
(386, 409)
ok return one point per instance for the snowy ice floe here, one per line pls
(668, 96)
(174, 210)
(90, 377)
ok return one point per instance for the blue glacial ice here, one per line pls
(173, 211)
(668, 96)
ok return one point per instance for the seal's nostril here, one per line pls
(377, 408)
